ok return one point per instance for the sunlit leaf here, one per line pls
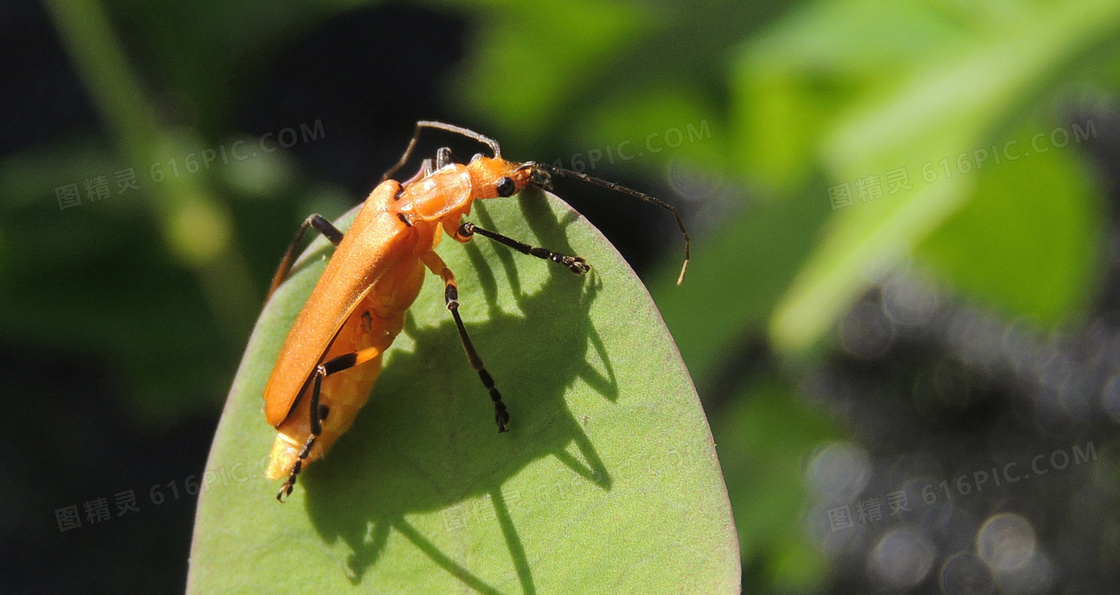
(1027, 244)
(607, 479)
(934, 116)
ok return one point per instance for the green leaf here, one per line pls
(765, 435)
(544, 54)
(1027, 244)
(608, 478)
(934, 116)
(791, 81)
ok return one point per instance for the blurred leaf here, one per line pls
(934, 114)
(532, 57)
(97, 281)
(652, 124)
(204, 53)
(197, 225)
(763, 439)
(1028, 242)
(608, 477)
(792, 80)
(736, 276)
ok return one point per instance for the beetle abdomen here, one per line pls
(373, 324)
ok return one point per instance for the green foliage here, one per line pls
(559, 47)
(798, 98)
(764, 437)
(1027, 243)
(929, 117)
(609, 458)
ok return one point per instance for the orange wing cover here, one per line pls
(374, 245)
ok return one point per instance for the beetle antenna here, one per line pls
(486, 140)
(493, 144)
(553, 170)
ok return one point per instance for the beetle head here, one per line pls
(493, 177)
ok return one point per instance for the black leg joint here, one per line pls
(488, 382)
(501, 416)
(575, 264)
(326, 228)
(316, 426)
(339, 364)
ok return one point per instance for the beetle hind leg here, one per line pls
(290, 483)
(321, 225)
(318, 412)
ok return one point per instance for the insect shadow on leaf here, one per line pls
(421, 445)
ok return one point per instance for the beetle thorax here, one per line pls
(443, 193)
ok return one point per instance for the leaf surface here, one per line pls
(608, 480)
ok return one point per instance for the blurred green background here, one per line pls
(904, 261)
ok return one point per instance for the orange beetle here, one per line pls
(332, 356)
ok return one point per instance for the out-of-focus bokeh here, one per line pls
(902, 315)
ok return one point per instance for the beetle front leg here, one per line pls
(575, 264)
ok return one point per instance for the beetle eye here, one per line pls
(506, 187)
(476, 157)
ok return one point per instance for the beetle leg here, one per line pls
(451, 300)
(322, 226)
(575, 264)
(443, 157)
(319, 413)
(425, 170)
